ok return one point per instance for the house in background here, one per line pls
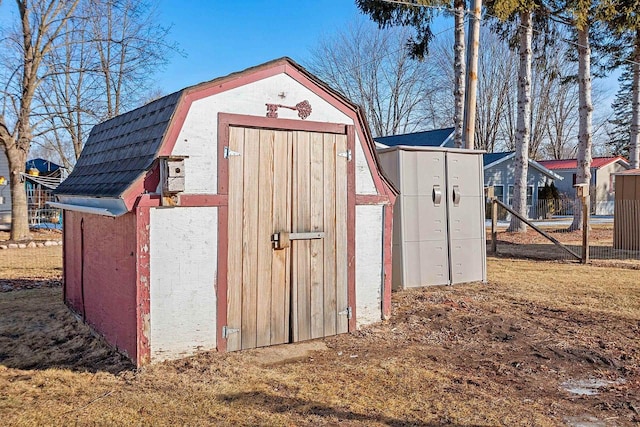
(430, 138)
(5, 193)
(499, 171)
(603, 170)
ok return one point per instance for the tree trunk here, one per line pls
(585, 111)
(634, 140)
(19, 220)
(459, 72)
(523, 131)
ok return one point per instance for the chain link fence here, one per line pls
(613, 238)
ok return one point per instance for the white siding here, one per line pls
(197, 138)
(364, 179)
(183, 275)
(369, 227)
(4, 189)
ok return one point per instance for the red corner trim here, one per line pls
(223, 233)
(226, 119)
(203, 200)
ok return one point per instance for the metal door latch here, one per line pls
(283, 239)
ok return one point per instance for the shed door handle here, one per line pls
(436, 195)
(456, 195)
(283, 239)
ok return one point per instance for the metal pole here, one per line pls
(471, 90)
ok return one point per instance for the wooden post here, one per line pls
(585, 228)
(494, 226)
(471, 89)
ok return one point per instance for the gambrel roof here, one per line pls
(120, 150)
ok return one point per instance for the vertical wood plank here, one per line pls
(279, 273)
(301, 247)
(264, 231)
(293, 250)
(341, 235)
(234, 252)
(351, 230)
(288, 319)
(250, 238)
(316, 246)
(330, 308)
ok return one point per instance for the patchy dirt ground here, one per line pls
(505, 353)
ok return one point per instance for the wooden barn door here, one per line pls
(293, 183)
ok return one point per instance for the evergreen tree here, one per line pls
(622, 108)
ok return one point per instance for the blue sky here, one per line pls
(220, 37)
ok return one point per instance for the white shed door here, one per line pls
(286, 182)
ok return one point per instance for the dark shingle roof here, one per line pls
(489, 158)
(430, 138)
(119, 150)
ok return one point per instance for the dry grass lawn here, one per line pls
(31, 263)
(494, 354)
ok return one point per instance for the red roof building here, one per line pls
(602, 188)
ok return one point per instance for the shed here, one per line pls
(626, 219)
(246, 211)
(439, 233)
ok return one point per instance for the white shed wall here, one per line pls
(369, 228)
(198, 137)
(183, 246)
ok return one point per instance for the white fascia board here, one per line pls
(447, 139)
(106, 206)
(497, 162)
(545, 171)
(380, 145)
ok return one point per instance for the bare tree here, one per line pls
(41, 28)
(495, 84)
(374, 68)
(523, 133)
(111, 49)
(130, 45)
(583, 175)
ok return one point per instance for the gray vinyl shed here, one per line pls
(438, 227)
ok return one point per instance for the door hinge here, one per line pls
(226, 331)
(346, 154)
(228, 152)
(347, 312)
